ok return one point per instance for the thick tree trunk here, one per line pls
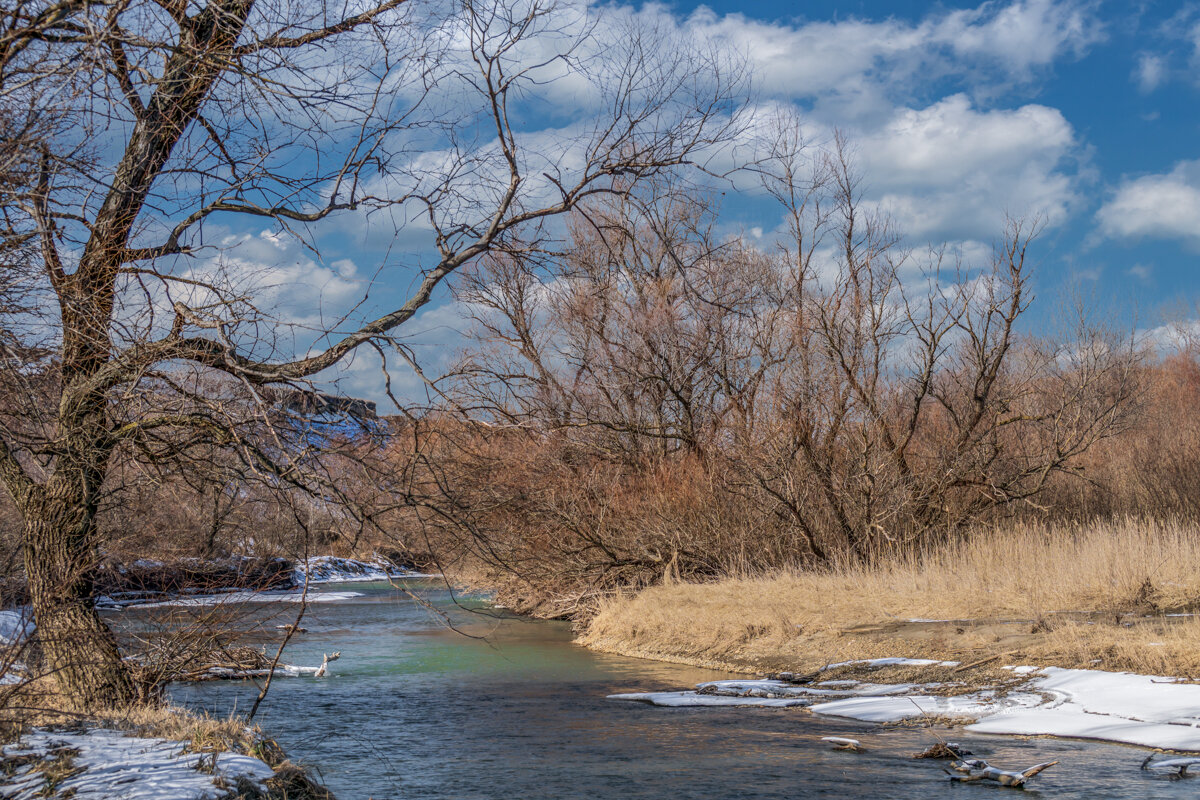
(80, 649)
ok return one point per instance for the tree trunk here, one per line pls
(80, 650)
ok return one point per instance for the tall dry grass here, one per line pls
(1063, 594)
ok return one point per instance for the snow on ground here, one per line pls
(1116, 706)
(891, 662)
(114, 766)
(15, 626)
(1145, 710)
(765, 693)
(905, 706)
(331, 569)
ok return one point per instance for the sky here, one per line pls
(1083, 113)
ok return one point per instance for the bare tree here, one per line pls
(912, 402)
(170, 114)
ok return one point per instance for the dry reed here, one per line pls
(1072, 595)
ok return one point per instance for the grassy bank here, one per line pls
(1098, 596)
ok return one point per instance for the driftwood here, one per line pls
(944, 750)
(320, 673)
(976, 769)
(1181, 765)
(246, 662)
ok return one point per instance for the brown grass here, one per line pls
(1078, 596)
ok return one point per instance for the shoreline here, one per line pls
(177, 757)
(1116, 676)
(1148, 711)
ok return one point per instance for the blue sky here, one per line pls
(1083, 112)
(1125, 80)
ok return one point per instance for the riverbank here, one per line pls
(1119, 597)
(1097, 611)
(157, 752)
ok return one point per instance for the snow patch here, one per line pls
(1145, 710)
(113, 765)
(893, 709)
(764, 693)
(16, 625)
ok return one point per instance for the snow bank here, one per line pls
(330, 569)
(895, 708)
(112, 765)
(1146, 710)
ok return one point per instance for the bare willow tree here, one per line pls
(912, 402)
(135, 127)
(692, 404)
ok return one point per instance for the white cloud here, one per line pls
(854, 57)
(1150, 72)
(949, 169)
(265, 285)
(1141, 271)
(1156, 206)
(434, 337)
(953, 170)
(1194, 37)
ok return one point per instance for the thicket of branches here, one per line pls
(658, 399)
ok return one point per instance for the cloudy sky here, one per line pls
(1085, 113)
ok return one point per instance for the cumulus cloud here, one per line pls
(947, 169)
(1163, 206)
(951, 169)
(850, 56)
(264, 285)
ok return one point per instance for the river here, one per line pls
(414, 711)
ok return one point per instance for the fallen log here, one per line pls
(976, 769)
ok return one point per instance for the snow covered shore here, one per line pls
(1145, 710)
(107, 764)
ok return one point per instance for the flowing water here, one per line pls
(415, 711)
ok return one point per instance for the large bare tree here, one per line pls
(132, 127)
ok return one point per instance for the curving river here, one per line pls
(415, 711)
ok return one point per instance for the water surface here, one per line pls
(417, 711)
